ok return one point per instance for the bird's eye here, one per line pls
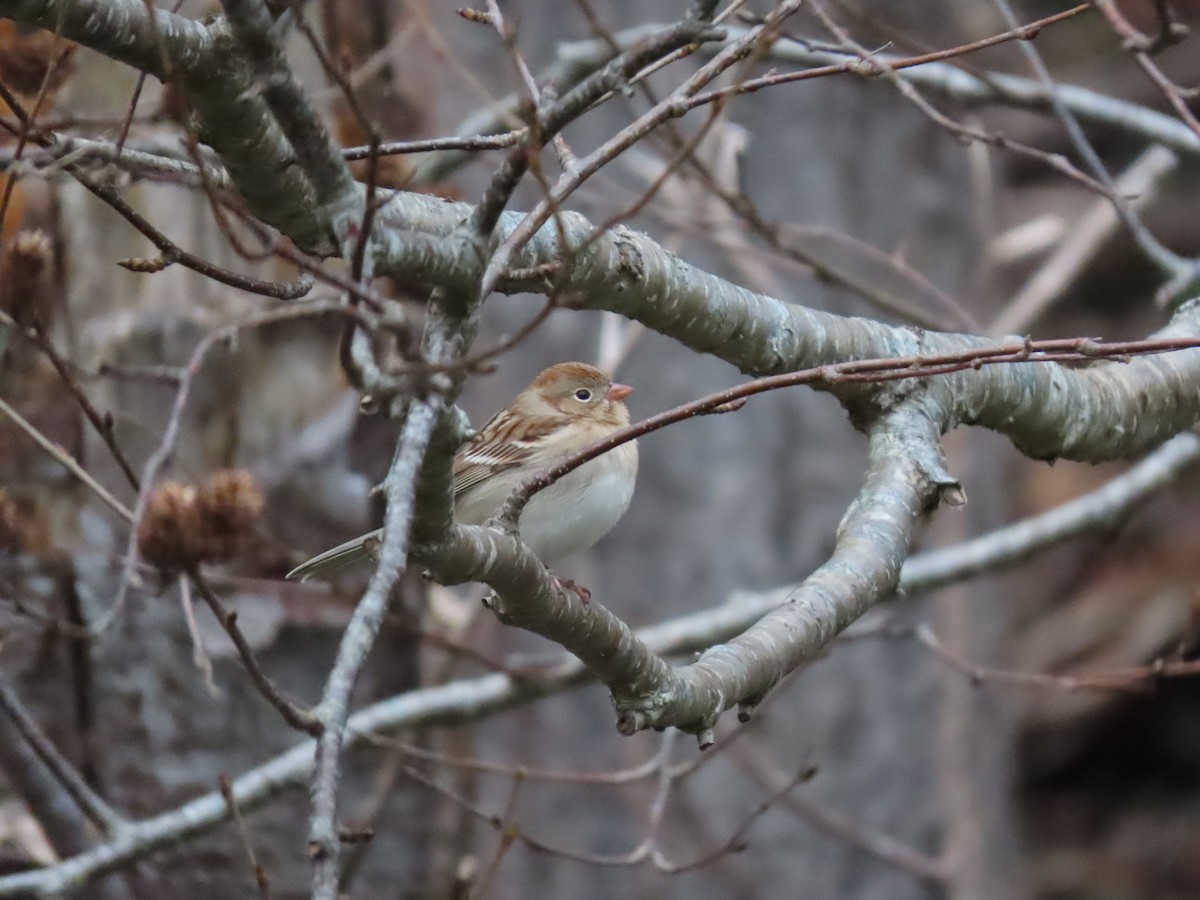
(583, 395)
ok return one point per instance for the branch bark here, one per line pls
(280, 158)
(474, 699)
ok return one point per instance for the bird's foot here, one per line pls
(584, 595)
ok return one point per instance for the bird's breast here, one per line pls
(582, 506)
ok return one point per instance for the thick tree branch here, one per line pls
(1092, 414)
(626, 272)
(1048, 410)
(473, 699)
(207, 63)
(318, 155)
(279, 155)
(905, 475)
(141, 35)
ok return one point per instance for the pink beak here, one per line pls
(619, 392)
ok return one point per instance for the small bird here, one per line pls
(567, 407)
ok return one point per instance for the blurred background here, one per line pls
(926, 783)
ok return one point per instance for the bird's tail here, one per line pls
(356, 550)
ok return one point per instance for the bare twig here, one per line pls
(879, 845)
(67, 461)
(357, 640)
(861, 371)
(472, 699)
(260, 874)
(199, 655)
(166, 447)
(627, 137)
(171, 253)
(102, 423)
(1085, 239)
(103, 816)
(1175, 267)
(1134, 679)
(571, 105)
(296, 716)
(1055, 161)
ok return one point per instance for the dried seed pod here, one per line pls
(185, 526)
(24, 263)
(10, 525)
(230, 504)
(172, 534)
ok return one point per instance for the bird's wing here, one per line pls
(502, 444)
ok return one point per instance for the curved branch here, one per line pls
(318, 155)
(473, 699)
(1093, 414)
(234, 120)
(1103, 412)
(905, 475)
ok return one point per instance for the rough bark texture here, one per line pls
(724, 504)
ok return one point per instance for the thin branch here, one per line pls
(103, 424)
(1171, 32)
(668, 109)
(295, 715)
(1083, 242)
(1136, 679)
(63, 458)
(357, 640)
(260, 874)
(472, 143)
(474, 699)
(1174, 266)
(881, 846)
(569, 107)
(166, 447)
(861, 371)
(173, 253)
(1055, 161)
(103, 816)
(988, 88)
(630, 775)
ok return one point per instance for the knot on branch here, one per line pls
(631, 721)
(944, 488)
(630, 266)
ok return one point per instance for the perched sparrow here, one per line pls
(567, 407)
